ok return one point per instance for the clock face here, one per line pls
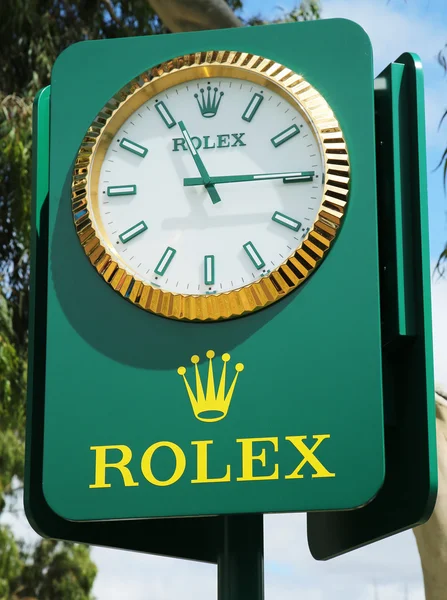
(209, 184)
(161, 219)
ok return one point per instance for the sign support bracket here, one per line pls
(408, 495)
(240, 562)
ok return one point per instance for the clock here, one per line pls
(211, 186)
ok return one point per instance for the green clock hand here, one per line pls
(289, 177)
(205, 178)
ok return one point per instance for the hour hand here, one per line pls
(205, 178)
(288, 177)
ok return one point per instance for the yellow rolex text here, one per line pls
(260, 460)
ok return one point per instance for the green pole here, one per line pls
(240, 564)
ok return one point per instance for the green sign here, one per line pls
(201, 414)
(220, 299)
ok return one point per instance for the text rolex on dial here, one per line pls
(220, 187)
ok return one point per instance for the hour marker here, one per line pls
(165, 114)
(165, 261)
(132, 232)
(121, 190)
(133, 147)
(254, 255)
(303, 176)
(283, 219)
(285, 135)
(209, 269)
(252, 107)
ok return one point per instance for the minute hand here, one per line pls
(289, 177)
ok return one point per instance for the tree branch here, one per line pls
(119, 22)
(195, 15)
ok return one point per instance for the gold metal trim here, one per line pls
(295, 269)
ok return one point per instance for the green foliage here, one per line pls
(307, 10)
(57, 570)
(32, 35)
(11, 563)
(49, 571)
(442, 59)
(12, 403)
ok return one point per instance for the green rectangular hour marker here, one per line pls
(133, 147)
(254, 255)
(303, 176)
(283, 219)
(285, 135)
(132, 232)
(165, 114)
(209, 269)
(121, 190)
(252, 107)
(165, 261)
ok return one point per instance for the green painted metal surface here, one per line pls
(196, 539)
(408, 495)
(240, 563)
(111, 370)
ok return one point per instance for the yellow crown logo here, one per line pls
(212, 406)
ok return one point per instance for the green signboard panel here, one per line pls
(134, 426)
(408, 495)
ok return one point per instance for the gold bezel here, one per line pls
(295, 269)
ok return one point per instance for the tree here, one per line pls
(442, 59)
(32, 34)
(56, 570)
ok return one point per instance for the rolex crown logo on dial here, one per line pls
(212, 186)
(209, 106)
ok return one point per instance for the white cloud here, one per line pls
(398, 28)
(139, 576)
(439, 316)
(392, 31)
(290, 570)
(285, 541)
(435, 105)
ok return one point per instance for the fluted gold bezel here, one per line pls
(303, 260)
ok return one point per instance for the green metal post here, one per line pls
(240, 563)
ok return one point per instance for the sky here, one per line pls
(389, 569)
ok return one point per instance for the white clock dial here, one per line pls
(263, 165)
